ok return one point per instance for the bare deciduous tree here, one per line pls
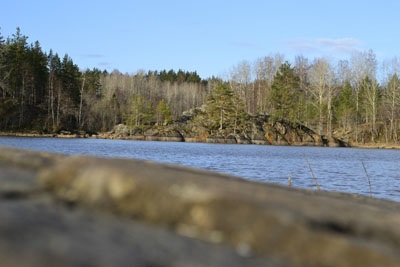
(362, 64)
(321, 77)
(391, 98)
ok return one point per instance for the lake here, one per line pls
(336, 169)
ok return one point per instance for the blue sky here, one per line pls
(208, 36)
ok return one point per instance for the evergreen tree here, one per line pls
(39, 75)
(286, 94)
(71, 79)
(15, 66)
(54, 91)
(23, 76)
(2, 65)
(1, 39)
(192, 77)
(92, 82)
(224, 110)
(219, 105)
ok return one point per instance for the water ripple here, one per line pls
(336, 169)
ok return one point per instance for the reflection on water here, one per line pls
(337, 169)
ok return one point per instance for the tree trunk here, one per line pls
(21, 111)
(221, 121)
(80, 105)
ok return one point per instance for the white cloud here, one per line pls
(106, 65)
(302, 45)
(340, 45)
(325, 46)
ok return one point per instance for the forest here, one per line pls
(357, 98)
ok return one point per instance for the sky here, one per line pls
(208, 36)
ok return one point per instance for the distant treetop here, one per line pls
(179, 77)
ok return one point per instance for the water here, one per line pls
(336, 169)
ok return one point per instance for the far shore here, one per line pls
(142, 138)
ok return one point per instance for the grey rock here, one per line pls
(39, 232)
(120, 130)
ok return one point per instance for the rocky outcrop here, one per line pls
(163, 133)
(259, 130)
(149, 133)
(60, 210)
(286, 133)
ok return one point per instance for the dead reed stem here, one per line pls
(312, 173)
(369, 179)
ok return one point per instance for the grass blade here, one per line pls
(369, 179)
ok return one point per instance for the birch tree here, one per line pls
(163, 113)
(362, 65)
(136, 112)
(240, 81)
(371, 94)
(392, 105)
(302, 68)
(264, 71)
(391, 98)
(321, 78)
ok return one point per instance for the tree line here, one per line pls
(342, 98)
(47, 93)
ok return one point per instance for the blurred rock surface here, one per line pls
(60, 210)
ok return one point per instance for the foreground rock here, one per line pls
(79, 211)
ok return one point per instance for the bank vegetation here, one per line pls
(356, 99)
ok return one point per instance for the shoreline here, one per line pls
(175, 139)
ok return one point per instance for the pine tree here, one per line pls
(54, 90)
(225, 110)
(286, 94)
